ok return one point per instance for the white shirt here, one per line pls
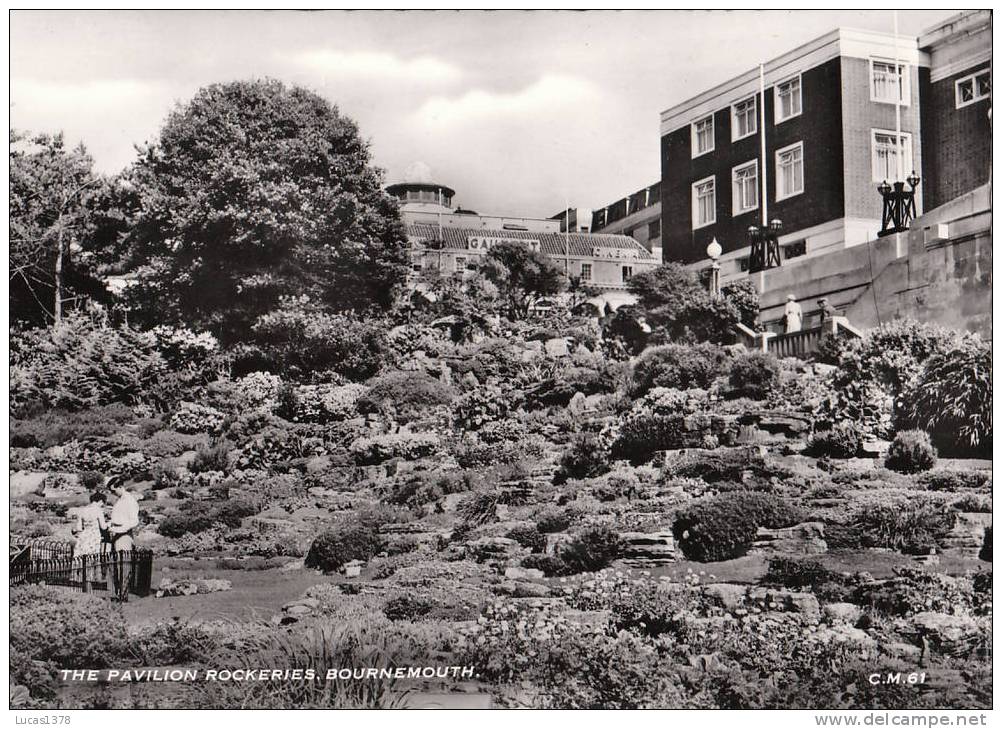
(125, 513)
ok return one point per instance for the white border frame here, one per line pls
(695, 206)
(735, 212)
(905, 168)
(753, 98)
(973, 78)
(776, 121)
(713, 136)
(803, 171)
(906, 74)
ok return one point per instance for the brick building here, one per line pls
(638, 216)
(830, 120)
(956, 107)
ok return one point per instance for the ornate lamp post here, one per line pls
(899, 205)
(764, 246)
(713, 251)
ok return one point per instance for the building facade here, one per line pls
(956, 107)
(638, 216)
(454, 241)
(829, 122)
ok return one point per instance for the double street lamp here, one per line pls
(899, 205)
(764, 246)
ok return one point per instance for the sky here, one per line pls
(517, 111)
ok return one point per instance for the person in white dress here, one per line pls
(90, 524)
(89, 531)
(794, 315)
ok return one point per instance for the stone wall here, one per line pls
(939, 272)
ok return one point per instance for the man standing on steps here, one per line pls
(124, 520)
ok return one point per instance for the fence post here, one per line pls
(83, 573)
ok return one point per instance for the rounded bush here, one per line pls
(585, 458)
(911, 451)
(591, 550)
(642, 434)
(407, 394)
(549, 564)
(529, 537)
(753, 375)
(723, 527)
(843, 440)
(678, 366)
(333, 549)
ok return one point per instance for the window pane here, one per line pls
(984, 85)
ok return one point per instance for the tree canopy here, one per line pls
(522, 276)
(678, 306)
(55, 199)
(255, 191)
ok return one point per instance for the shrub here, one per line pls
(912, 523)
(585, 458)
(195, 517)
(62, 629)
(92, 480)
(529, 537)
(677, 366)
(801, 574)
(83, 363)
(324, 403)
(381, 448)
(502, 431)
(553, 520)
(591, 550)
(842, 440)
(723, 527)
(182, 348)
(875, 370)
(257, 390)
(648, 608)
(192, 418)
(911, 451)
(407, 394)
(549, 564)
(973, 503)
(482, 405)
(56, 427)
(643, 433)
(334, 548)
(753, 375)
(956, 480)
(985, 555)
(407, 607)
(301, 341)
(214, 457)
(952, 398)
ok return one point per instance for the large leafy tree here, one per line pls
(57, 228)
(678, 306)
(255, 191)
(522, 276)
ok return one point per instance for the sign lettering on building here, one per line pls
(614, 253)
(483, 243)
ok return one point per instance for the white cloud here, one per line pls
(378, 65)
(549, 94)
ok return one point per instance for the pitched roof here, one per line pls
(551, 244)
